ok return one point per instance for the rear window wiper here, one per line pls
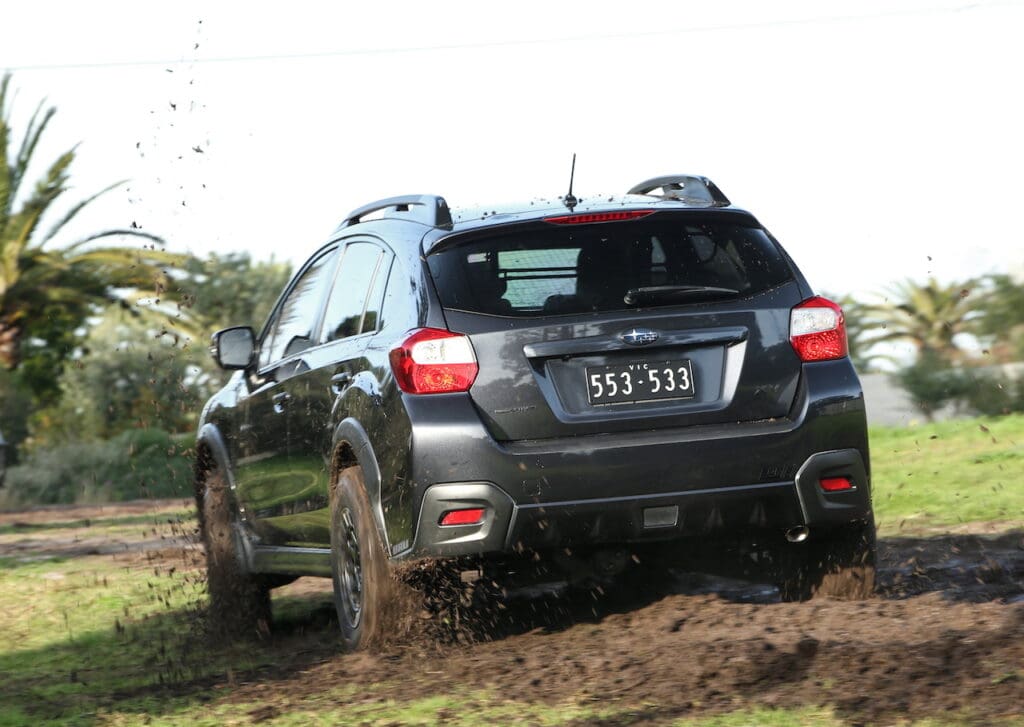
(673, 293)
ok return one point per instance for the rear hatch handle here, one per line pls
(599, 344)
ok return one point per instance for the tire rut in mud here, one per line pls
(944, 634)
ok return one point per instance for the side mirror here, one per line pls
(233, 348)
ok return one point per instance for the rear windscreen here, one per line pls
(556, 270)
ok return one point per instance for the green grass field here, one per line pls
(117, 640)
(938, 476)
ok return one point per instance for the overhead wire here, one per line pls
(483, 45)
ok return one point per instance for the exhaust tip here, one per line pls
(798, 534)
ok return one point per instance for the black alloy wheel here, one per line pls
(359, 566)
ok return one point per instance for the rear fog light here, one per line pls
(471, 516)
(836, 484)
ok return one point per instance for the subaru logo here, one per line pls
(639, 336)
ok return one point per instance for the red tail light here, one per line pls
(817, 330)
(434, 361)
(471, 516)
(588, 217)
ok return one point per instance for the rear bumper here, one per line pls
(511, 527)
(641, 486)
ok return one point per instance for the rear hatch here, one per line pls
(663, 319)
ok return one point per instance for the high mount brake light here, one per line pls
(817, 330)
(434, 361)
(588, 217)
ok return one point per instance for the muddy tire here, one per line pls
(239, 601)
(839, 564)
(359, 567)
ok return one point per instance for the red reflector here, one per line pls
(586, 218)
(463, 517)
(835, 484)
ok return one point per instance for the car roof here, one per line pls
(678, 192)
(466, 218)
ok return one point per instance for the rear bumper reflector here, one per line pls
(835, 484)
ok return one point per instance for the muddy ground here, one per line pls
(943, 637)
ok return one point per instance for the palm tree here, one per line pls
(929, 316)
(859, 330)
(40, 282)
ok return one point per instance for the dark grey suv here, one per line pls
(573, 378)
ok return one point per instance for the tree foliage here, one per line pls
(230, 290)
(1001, 318)
(127, 376)
(929, 316)
(47, 291)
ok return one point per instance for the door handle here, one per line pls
(280, 400)
(339, 381)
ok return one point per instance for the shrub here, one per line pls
(135, 464)
(993, 394)
(932, 383)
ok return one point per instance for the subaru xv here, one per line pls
(565, 378)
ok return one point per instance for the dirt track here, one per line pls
(944, 634)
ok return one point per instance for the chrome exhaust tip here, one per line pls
(798, 534)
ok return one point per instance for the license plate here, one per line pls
(640, 382)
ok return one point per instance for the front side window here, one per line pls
(291, 329)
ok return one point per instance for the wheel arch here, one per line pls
(212, 452)
(351, 446)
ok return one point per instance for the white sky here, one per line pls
(866, 135)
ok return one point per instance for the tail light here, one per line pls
(817, 330)
(434, 361)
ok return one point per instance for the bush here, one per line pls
(993, 394)
(135, 464)
(932, 383)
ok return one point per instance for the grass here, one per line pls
(940, 475)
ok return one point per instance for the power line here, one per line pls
(507, 43)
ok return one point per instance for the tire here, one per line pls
(838, 564)
(239, 601)
(359, 567)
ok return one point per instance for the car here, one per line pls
(564, 380)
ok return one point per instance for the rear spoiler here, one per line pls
(683, 187)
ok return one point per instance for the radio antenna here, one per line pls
(569, 200)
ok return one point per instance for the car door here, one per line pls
(264, 471)
(319, 390)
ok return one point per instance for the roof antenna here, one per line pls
(569, 200)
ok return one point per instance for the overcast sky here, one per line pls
(869, 136)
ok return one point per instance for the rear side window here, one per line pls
(347, 305)
(556, 270)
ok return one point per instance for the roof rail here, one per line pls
(428, 209)
(684, 186)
